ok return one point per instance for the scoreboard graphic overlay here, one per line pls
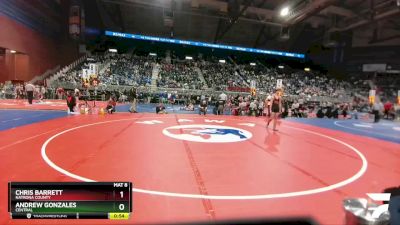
(70, 200)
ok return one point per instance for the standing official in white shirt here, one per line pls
(29, 88)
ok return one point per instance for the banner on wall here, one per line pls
(85, 77)
(253, 84)
(279, 83)
(85, 74)
(372, 96)
(203, 44)
(398, 97)
(253, 90)
(74, 21)
(90, 76)
(93, 70)
(374, 67)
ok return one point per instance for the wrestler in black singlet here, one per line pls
(275, 104)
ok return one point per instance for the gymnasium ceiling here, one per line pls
(258, 23)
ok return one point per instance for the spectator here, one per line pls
(377, 109)
(220, 107)
(253, 107)
(29, 88)
(111, 104)
(387, 107)
(160, 109)
(203, 107)
(133, 99)
(71, 102)
(320, 113)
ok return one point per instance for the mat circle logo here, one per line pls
(207, 133)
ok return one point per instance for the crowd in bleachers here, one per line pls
(179, 75)
(73, 75)
(128, 70)
(308, 84)
(123, 70)
(220, 75)
(387, 84)
(132, 70)
(137, 71)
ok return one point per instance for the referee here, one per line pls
(133, 99)
(29, 88)
(221, 103)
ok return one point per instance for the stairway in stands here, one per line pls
(57, 73)
(201, 77)
(154, 76)
(238, 73)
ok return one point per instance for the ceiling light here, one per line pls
(285, 11)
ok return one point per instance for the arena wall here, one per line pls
(37, 52)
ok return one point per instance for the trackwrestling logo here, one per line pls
(207, 133)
